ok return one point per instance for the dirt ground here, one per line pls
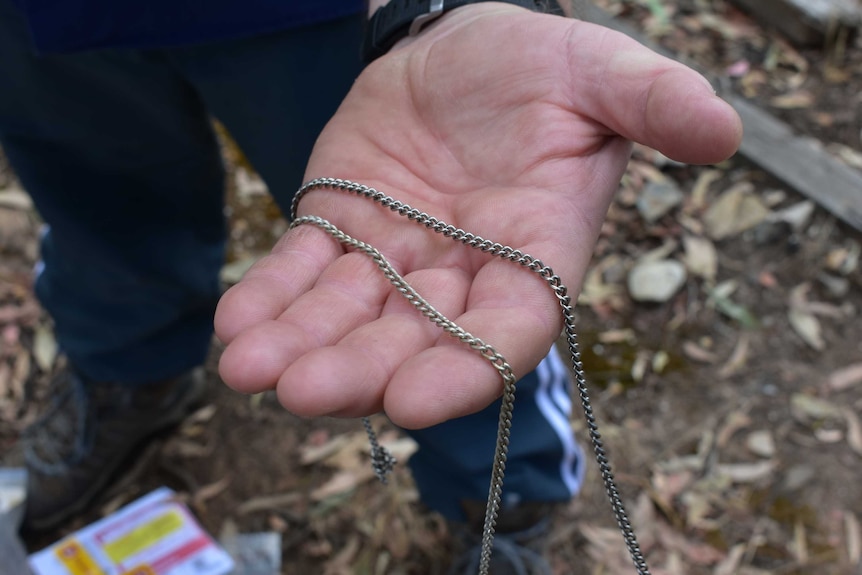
(731, 411)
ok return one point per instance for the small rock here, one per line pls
(771, 232)
(797, 477)
(656, 281)
(614, 273)
(796, 216)
(657, 199)
(837, 286)
(769, 389)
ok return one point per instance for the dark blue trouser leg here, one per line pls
(275, 93)
(117, 150)
(545, 463)
(119, 157)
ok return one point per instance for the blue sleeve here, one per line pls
(74, 25)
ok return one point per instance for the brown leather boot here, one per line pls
(88, 431)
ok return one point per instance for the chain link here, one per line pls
(382, 461)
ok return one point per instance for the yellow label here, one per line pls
(142, 570)
(76, 559)
(143, 536)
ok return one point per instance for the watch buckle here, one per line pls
(435, 10)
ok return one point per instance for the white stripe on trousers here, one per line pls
(555, 404)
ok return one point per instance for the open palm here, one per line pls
(512, 125)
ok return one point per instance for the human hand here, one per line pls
(509, 124)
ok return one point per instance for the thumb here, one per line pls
(650, 99)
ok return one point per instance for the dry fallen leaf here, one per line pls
(793, 100)
(343, 482)
(674, 565)
(639, 366)
(807, 327)
(269, 502)
(15, 230)
(735, 421)
(761, 443)
(828, 435)
(398, 540)
(806, 408)
(799, 546)
(853, 534)
(747, 472)
(20, 374)
(5, 380)
(231, 273)
(605, 549)
(738, 69)
(737, 359)
(695, 552)
(730, 564)
(201, 415)
(317, 548)
(737, 210)
(44, 348)
(844, 378)
(701, 187)
(15, 198)
(701, 257)
(854, 430)
(209, 491)
(181, 448)
(24, 314)
(625, 335)
(697, 353)
(401, 447)
(595, 290)
(698, 508)
(848, 155)
(667, 486)
(341, 563)
(312, 453)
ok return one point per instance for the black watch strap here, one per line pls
(400, 18)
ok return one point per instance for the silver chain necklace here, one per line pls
(382, 460)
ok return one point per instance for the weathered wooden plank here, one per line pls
(801, 163)
(806, 22)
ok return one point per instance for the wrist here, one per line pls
(395, 22)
